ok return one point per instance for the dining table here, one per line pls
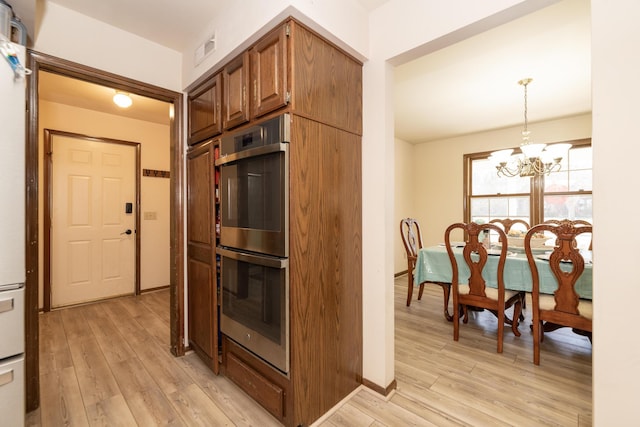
(433, 265)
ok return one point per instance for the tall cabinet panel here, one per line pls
(201, 257)
(325, 266)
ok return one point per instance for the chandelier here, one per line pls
(535, 159)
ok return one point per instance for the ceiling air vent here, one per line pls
(205, 49)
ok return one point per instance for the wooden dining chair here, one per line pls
(475, 292)
(564, 308)
(412, 239)
(575, 221)
(507, 223)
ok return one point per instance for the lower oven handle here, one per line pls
(264, 260)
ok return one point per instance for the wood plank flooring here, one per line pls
(108, 364)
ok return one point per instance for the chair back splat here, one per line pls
(564, 307)
(507, 223)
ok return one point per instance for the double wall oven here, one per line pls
(254, 239)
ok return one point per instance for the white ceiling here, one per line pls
(171, 23)
(473, 85)
(464, 88)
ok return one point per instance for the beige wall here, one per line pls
(154, 140)
(405, 205)
(429, 178)
(616, 353)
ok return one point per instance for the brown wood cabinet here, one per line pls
(236, 84)
(294, 70)
(269, 59)
(201, 257)
(205, 112)
(255, 83)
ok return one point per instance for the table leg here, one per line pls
(446, 289)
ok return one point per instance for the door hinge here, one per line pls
(287, 98)
(287, 30)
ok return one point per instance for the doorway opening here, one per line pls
(39, 64)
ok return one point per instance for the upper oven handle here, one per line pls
(254, 152)
(263, 260)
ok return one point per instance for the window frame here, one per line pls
(536, 189)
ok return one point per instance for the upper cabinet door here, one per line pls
(236, 81)
(270, 89)
(205, 113)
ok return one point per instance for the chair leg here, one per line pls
(456, 324)
(410, 287)
(517, 310)
(446, 290)
(421, 291)
(536, 342)
(500, 328)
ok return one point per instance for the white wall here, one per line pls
(406, 180)
(616, 351)
(67, 34)
(155, 192)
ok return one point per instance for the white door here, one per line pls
(92, 256)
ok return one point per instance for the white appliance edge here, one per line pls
(12, 174)
(12, 243)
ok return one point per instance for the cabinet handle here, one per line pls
(6, 377)
(244, 96)
(6, 305)
(255, 90)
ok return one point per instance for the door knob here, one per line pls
(128, 231)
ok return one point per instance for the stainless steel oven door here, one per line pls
(255, 304)
(255, 200)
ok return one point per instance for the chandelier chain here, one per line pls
(526, 121)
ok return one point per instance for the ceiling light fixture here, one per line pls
(122, 100)
(535, 159)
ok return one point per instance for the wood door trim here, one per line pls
(42, 62)
(48, 198)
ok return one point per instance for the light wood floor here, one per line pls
(108, 364)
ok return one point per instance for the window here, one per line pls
(560, 195)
